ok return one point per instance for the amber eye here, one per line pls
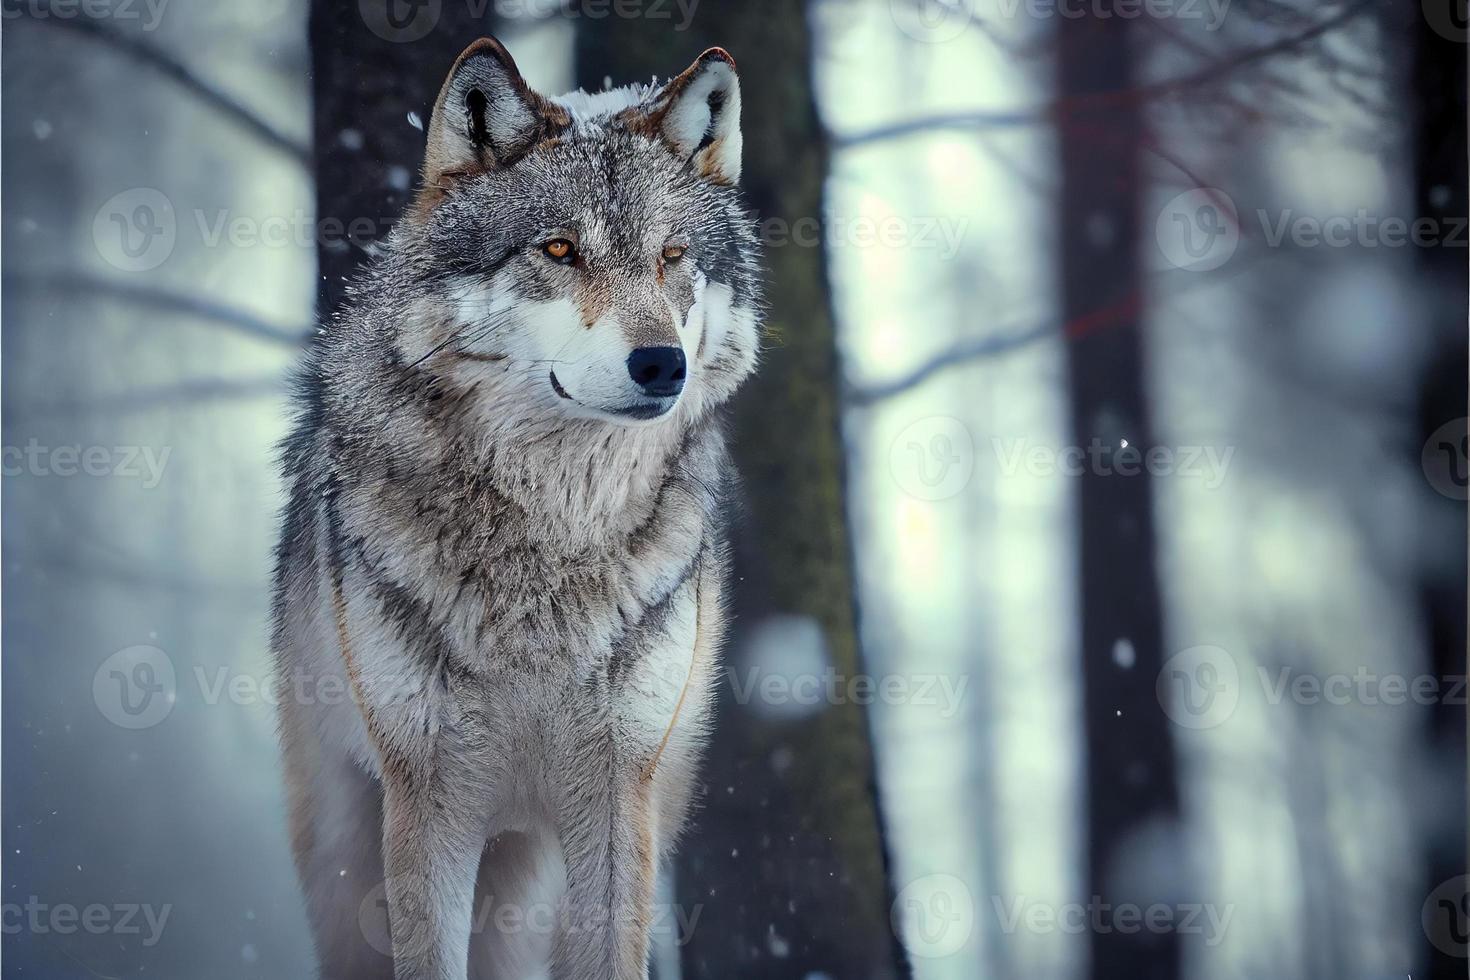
(673, 253)
(560, 250)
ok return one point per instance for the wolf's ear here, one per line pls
(698, 115)
(486, 115)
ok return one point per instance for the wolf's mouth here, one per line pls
(642, 411)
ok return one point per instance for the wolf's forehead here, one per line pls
(592, 110)
(616, 188)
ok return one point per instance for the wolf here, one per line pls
(504, 537)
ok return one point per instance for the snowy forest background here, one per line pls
(1105, 478)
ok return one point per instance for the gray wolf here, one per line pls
(504, 538)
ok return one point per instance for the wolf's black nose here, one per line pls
(659, 371)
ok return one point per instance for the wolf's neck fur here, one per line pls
(576, 485)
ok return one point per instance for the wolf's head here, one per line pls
(590, 255)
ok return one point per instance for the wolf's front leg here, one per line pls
(431, 852)
(605, 823)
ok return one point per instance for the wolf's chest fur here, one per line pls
(449, 598)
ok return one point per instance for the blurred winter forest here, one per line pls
(1101, 598)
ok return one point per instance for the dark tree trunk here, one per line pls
(1438, 90)
(1130, 767)
(372, 65)
(786, 856)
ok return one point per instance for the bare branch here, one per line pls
(968, 350)
(1071, 107)
(240, 321)
(924, 124)
(170, 397)
(206, 91)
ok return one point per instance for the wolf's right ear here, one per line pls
(486, 115)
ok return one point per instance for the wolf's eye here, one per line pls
(673, 253)
(560, 250)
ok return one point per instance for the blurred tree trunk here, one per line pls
(1437, 87)
(373, 63)
(786, 856)
(1130, 769)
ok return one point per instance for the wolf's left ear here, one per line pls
(486, 115)
(698, 115)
